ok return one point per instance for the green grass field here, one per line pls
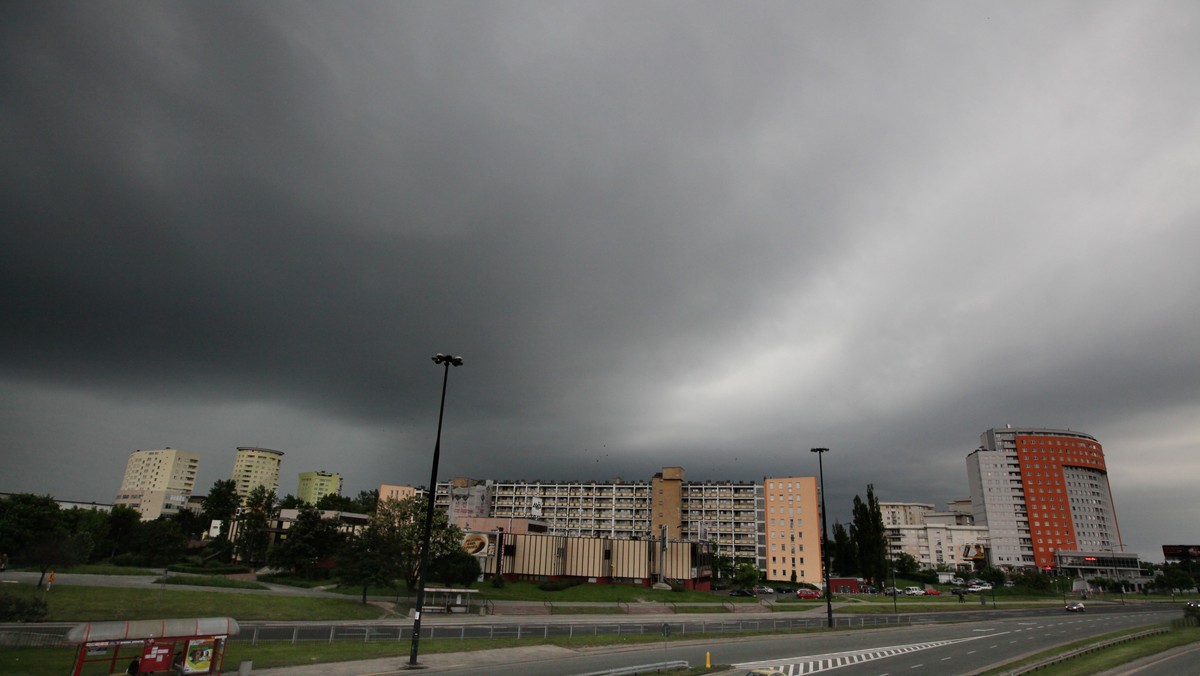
(73, 603)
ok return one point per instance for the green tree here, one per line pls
(723, 566)
(92, 522)
(160, 542)
(26, 518)
(746, 576)
(367, 501)
(390, 545)
(369, 558)
(906, 564)
(405, 522)
(456, 568)
(253, 535)
(123, 524)
(869, 537)
(309, 542)
(993, 576)
(221, 504)
(191, 524)
(845, 554)
(290, 501)
(337, 503)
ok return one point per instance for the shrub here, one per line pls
(20, 609)
(209, 569)
(558, 585)
(498, 581)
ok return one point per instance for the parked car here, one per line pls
(914, 591)
(930, 591)
(982, 586)
(742, 592)
(808, 594)
(891, 591)
(959, 591)
(1075, 607)
(764, 672)
(868, 589)
(763, 589)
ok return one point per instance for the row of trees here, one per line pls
(861, 550)
(35, 532)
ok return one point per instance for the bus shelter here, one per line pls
(177, 646)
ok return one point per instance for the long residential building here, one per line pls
(158, 482)
(733, 516)
(1045, 498)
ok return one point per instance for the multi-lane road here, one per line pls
(911, 644)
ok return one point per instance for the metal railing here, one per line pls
(544, 630)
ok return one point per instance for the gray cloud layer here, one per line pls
(659, 233)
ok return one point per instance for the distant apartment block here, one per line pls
(254, 467)
(733, 516)
(158, 482)
(316, 485)
(935, 539)
(1045, 498)
(390, 492)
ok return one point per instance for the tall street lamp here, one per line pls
(825, 537)
(447, 361)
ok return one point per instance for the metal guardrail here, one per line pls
(641, 669)
(1091, 647)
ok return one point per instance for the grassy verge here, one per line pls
(1109, 660)
(1085, 665)
(209, 581)
(108, 569)
(72, 603)
(586, 610)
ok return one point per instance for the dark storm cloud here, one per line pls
(659, 233)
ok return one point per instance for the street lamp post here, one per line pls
(447, 361)
(824, 537)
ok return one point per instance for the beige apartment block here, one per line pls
(158, 482)
(254, 467)
(904, 513)
(793, 529)
(728, 514)
(316, 485)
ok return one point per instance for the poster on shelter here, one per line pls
(198, 659)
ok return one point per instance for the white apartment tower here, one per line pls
(254, 466)
(158, 482)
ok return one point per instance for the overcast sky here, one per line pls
(704, 234)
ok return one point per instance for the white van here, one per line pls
(914, 591)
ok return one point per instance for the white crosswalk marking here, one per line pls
(811, 664)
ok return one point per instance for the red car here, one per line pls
(930, 591)
(808, 594)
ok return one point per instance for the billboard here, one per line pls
(976, 552)
(1181, 551)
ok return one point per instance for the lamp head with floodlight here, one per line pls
(447, 359)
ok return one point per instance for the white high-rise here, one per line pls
(158, 482)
